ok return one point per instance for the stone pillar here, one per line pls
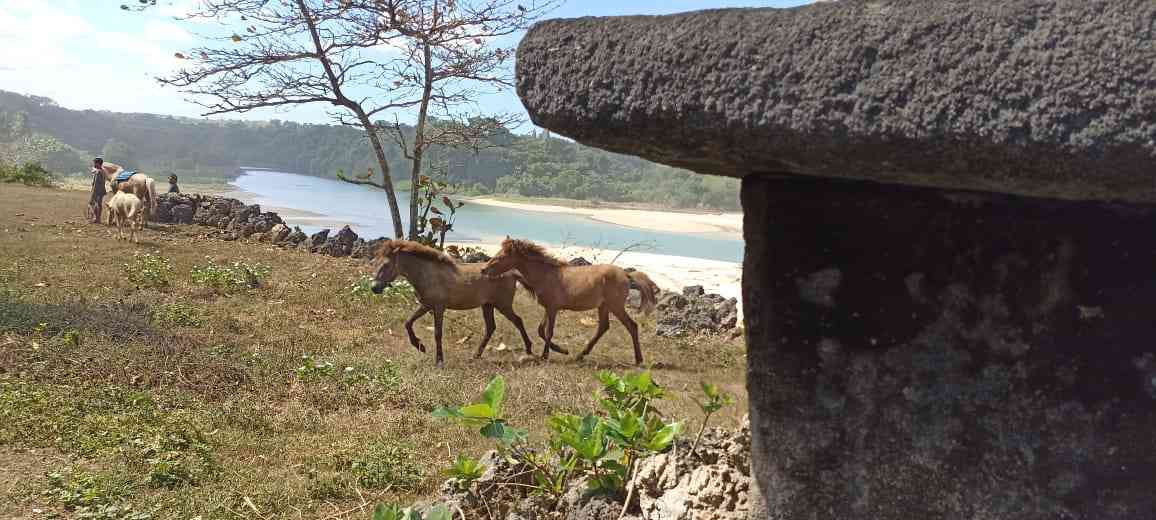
(920, 353)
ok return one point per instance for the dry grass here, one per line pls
(87, 370)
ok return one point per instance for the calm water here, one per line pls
(366, 211)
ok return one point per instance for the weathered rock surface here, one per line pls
(694, 311)
(1044, 98)
(990, 357)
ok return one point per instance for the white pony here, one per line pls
(126, 208)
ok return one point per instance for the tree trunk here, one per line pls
(386, 182)
(419, 140)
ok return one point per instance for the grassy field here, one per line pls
(169, 399)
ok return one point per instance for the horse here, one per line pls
(560, 286)
(128, 209)
(441, 283)
(139, 184)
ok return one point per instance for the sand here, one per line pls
(674, 222)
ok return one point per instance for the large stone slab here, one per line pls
(1051, 98)
(919, 353)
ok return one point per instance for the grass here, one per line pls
(299, 398)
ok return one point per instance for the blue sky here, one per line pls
(88, 54)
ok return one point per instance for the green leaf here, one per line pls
(388, 512)
(663, 438)
(448, 413)
(439, 512)
(710, 390)
(478, 411)
(495, 393)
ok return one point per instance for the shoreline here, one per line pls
(725, 223)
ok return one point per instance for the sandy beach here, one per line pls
(671, 273)
(675, 222)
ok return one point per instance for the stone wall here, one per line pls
(944, 345)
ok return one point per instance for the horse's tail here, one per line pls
(521, 279)
(152, 185)
(648, 288)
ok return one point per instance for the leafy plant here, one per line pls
(715, 401)
(487, 415)
(229, 278)
(148, 270)
(92, 496)
(394, 512)
(31, 174)
(432, 230)
(311, 369)
(387, 465)
(362, 288)
(174, 457)
(466, 470)
(180, 314)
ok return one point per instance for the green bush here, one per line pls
(92, 496)
(230, 278)
(31, 174)
(387, 464)
(180, 314)
(148, 270)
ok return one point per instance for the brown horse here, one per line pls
(560, 286)
(441, 283)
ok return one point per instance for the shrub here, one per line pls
(148, 270)
(92, 496)
(31, 174)
(179, 314)
(387, 465)
(229, 278)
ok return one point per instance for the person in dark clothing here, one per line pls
(98, 192)
(173, 184)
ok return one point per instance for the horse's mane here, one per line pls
(530, 250)
(389, 247)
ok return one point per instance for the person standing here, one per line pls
(96, 201)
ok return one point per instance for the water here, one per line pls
(367, 212)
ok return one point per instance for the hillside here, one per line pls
(36, 128)
(162, 397)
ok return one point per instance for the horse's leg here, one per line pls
(631, 327)
(549, 344)
(603, 325)
(439, 315)
(508, 312)
(409, 328)
(548, 331)
(488, 317)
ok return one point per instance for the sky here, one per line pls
(89, 54)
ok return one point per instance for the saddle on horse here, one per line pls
(124, 176)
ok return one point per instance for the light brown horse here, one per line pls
(560, 286)
(441, 283)
(139, 184)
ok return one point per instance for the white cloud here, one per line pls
(158, 31)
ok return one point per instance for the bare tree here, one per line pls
(450, 53)
(298, 52)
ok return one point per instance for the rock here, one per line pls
(360, 249)
(163, 212)
(692, 291)
(579, 261)
(318, 239)
(340, 244)
(886, 91)
(182, 214)
(296, 237)
(671, 300)
(964, 336)
(246, 230)
(475, 257)
(278, 234)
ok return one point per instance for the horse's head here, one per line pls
(507, 258)
(384, 267)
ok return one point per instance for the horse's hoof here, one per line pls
(580, 358)
(559, 350)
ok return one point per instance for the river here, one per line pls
(332, 203)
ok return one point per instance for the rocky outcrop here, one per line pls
(1051, 98)
(579, 261)
(714, 482)
(694, 311)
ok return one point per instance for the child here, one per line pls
(173, 184)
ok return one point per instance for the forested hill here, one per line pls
(64, 140)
